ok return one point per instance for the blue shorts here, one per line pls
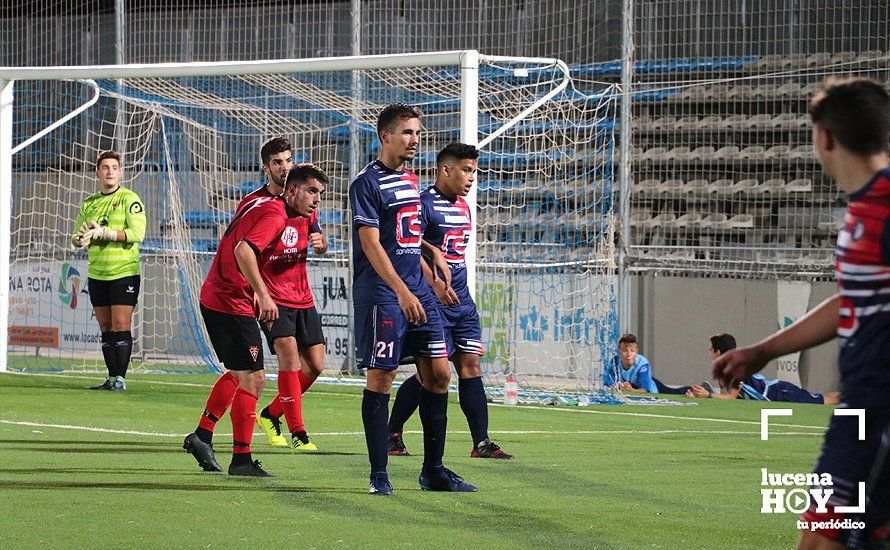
(383, 335)
(789, 393)
(463, 331)
(850, 461)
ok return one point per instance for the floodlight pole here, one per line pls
(6, 100)
(469, 134)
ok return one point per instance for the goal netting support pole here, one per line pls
(542, 260)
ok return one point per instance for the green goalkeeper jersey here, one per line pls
(121, 210)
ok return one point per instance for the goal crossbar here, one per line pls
(468, 61)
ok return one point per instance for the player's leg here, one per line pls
(664, 388)
(474, 405)
(427, 344)
(464, 341)
(375, 410)
(379, 336)
(237, 342)
(122, 338)
(124, 294)
(852, 463)
(218, 402)
(790, 393)
(100, 299)
(311, 342)
(406, 402)
(250, 383)
(283, 344)
(289, 392)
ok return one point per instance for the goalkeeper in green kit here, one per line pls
(111, 224)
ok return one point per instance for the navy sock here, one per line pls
(472, 402)
(375, 409)
(407, 400)
(123, 349)
(108, 340)
(434, 417)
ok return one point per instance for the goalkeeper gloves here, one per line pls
(93, 232)
(83, 236)
(102, 233)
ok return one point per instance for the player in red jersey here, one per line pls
(851, 123)
(277, 157)
(233, 298)
(296, 338)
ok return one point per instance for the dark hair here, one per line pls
(627, 339)
(857, 113)
(456, 151)
(303, 172)
(108, 154)
(723, 342)
(391, 113)
(273, 147)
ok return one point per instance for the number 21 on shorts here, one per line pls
(384, 349)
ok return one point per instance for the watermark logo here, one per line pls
(798, 493)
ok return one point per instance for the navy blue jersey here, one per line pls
(863, 274)
(390, 201)
(448, 227)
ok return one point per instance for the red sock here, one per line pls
(289, 398)
(305, 381)
(243, 418)
(275, 409)
(219, 401)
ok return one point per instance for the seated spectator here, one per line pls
(757, 386)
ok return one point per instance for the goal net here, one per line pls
(544, 255)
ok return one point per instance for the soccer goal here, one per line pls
(542, 259)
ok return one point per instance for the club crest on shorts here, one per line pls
(254, 351)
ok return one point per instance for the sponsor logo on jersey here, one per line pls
(290, 236)
(136, 208)
(408, 230)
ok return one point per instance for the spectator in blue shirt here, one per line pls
(631, 372)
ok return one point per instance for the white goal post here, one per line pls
(543, 144)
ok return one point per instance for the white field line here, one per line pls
(333, 434)
(522, 407)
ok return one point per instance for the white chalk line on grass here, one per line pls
(159, 382)
(334, 434)
(532, 407)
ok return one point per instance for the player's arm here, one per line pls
(136, 221)
(81, 228)
(317, 240)
(443, 292)
(435, 255)
(246, 256)
(628, 387)
(818, 326)
(645, 381)
(369, 238)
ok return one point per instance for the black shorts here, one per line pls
(236, 339)
(304, 324)
(118, 292)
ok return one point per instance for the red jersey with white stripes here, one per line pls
(226, 289)
(284, 264)
(863, 274)
(250, 198)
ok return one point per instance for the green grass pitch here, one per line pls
(595, 477)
